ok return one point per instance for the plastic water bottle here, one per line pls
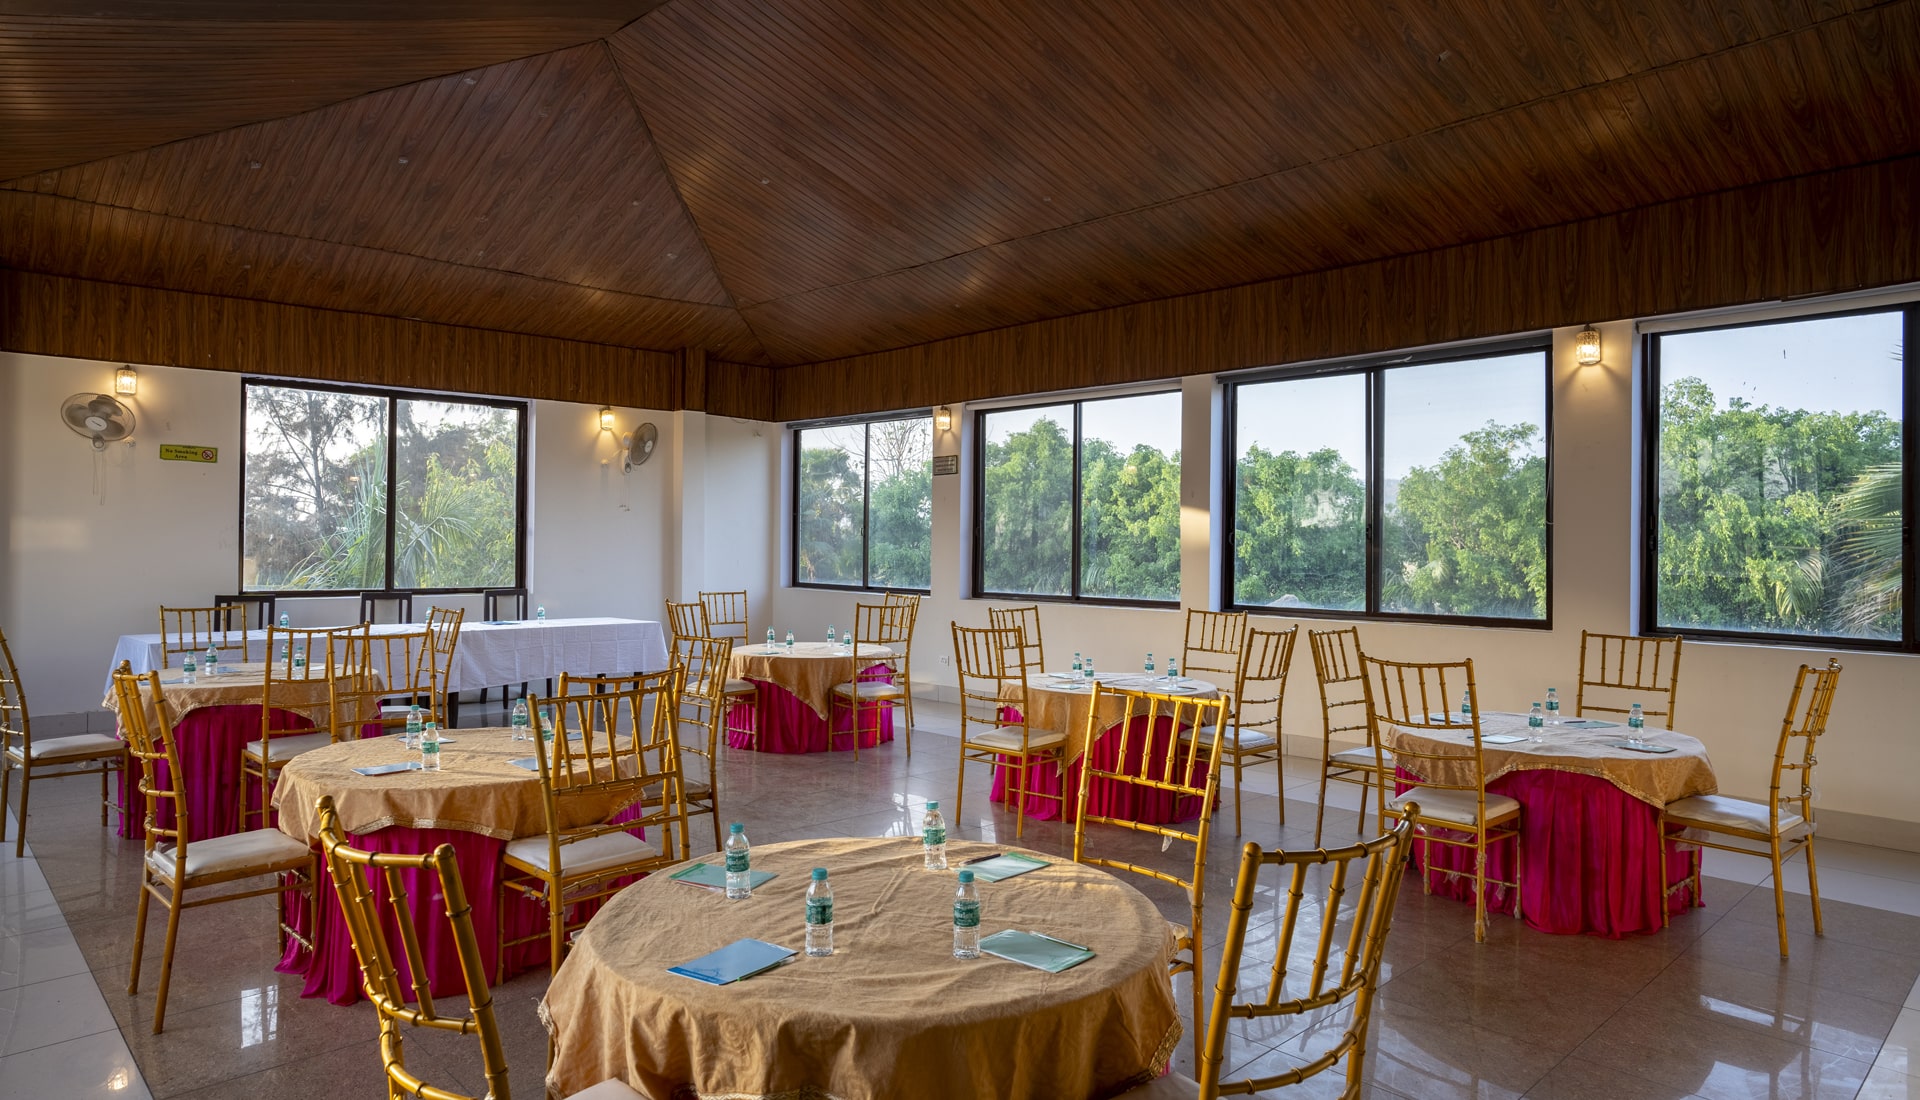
(1149, 662)
(520, 719)
(1466, 705)
(1088, 671)
(1536, 722)
(833, 639)
(769, 639)
(739, 865)
(189, 672)
(212, 664)
(1553, 706)
(300, 660)
(933, 838)
(415, 724)
(1078, 664)
(546, 725)
(1173, 668)
(819, 914)
(540, 614)
(789, 641)
(966, 918)
(285, 622)
(1636, 719)
(430, 748)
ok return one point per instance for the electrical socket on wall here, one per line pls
(946, 659)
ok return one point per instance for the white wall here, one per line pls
(1732, 696)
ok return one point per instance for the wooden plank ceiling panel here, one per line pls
(539, 166)
(83, 81)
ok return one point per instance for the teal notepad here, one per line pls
(713, 876)
(1036, 950)
(1644, 748)
(390, 769)
(1005, 866)
(737, 960)
(1589, 724)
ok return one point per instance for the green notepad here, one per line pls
(1644, 748)
(1033, 949)
(1588, 724)
(1005, 866)
(713, 876)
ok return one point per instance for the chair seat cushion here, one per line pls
(870, 689)
(734, 687)
(1360, 756)
(1246, 740)
(583, 856)
(80, 746)
(1458, 807)
(283, 749)
(609, 1089)
(1712, 810)
(1173, 1086)
(1008, 738)
(260, 851)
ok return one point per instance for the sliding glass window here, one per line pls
(863, 504)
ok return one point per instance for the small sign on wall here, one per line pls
(187, 452)
(946, 464)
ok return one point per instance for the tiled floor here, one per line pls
(1706, 1009)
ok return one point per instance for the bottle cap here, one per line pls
(966, 876)
(819, 874)
(933, 805)
(736, 827)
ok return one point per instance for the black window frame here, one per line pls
(1375, 369)
(390, 395)
(866, 502)
(1648, 512)
(1074, 596)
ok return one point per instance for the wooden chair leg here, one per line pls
(166, 963)
(1779, 898)
(1480, 890)
(557, 923)
(26, 790)
(1813, 886)
(1020, 799)
(139, 935)
(1320, 818)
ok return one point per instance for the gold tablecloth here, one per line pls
(891, 1013)
(810, 671)
(239, 685)
(477, 790)
(1653, 778)
(1049, 705)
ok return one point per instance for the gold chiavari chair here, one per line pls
(48, 758)
(873, 624)
(727, 615)
(1781, 826)
(1257, 704)
(1212, 647)
(1628, 670)
(363, 693)
(690, 633)
(1452, 792)
(1162, 762)
(1337, 981)
(622, 750)
(194, 630)
(175, 863)
(687, 624)
(903, 652)
(992, 666)
(443, 629)
(297, 706)
(1027, 621)
(1343, 717)
(703, 707)
(352, 871)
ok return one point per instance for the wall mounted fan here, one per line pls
(98, 417)
(637, 446)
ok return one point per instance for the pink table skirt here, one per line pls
(1589, 858)
(1043, 783)
(790, 726)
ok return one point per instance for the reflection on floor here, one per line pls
(1706, 1009)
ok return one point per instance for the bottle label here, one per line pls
(819, 911)
(934, 835)
(736, 862)
(1533, 720)
(966, 914)
(1553, 706)
(431, 748)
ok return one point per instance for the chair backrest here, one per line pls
(1417, 696)
(1213, 643)
(352, 871)
(985, 659)
(501, 604)
(703, 694)
(1343, 700)
(151, 743)
(288, 690)
(1806, 719)
(15, 727)
(1624, 670)
(443, 628)
(1322, 982)
(395, 665)
(398, 606)
(1027, 619)
(628, 750)
(1260, 681)
(910, 601)
(726, 614)
(887, 624)
(687, 623)
(257, 608)
(1152, 759)
(192, 629)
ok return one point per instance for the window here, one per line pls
(1411, 490)
(345, 489)
(863, 504)
(1776, 480)
(1081, 500)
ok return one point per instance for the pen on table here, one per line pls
(981, 859)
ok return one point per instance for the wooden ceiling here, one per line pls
(782, 182)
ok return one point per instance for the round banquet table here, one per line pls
(479, 800)
(1593, 859)
(795, 692)
(1059, 701)
(891, 1013)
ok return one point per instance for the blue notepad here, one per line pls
(1036, 949)
(737, 960)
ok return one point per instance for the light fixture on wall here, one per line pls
(606, 418)
(126, 382)
(943, 419)
(1586, 346)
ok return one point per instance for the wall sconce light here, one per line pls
(126, 382)
(606, 418)
(1586, 346)
(943, 419)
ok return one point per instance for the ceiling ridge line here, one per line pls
(666, 169)
(1338, 158)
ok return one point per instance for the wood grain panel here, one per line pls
(1821, 234)
(85, 81)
